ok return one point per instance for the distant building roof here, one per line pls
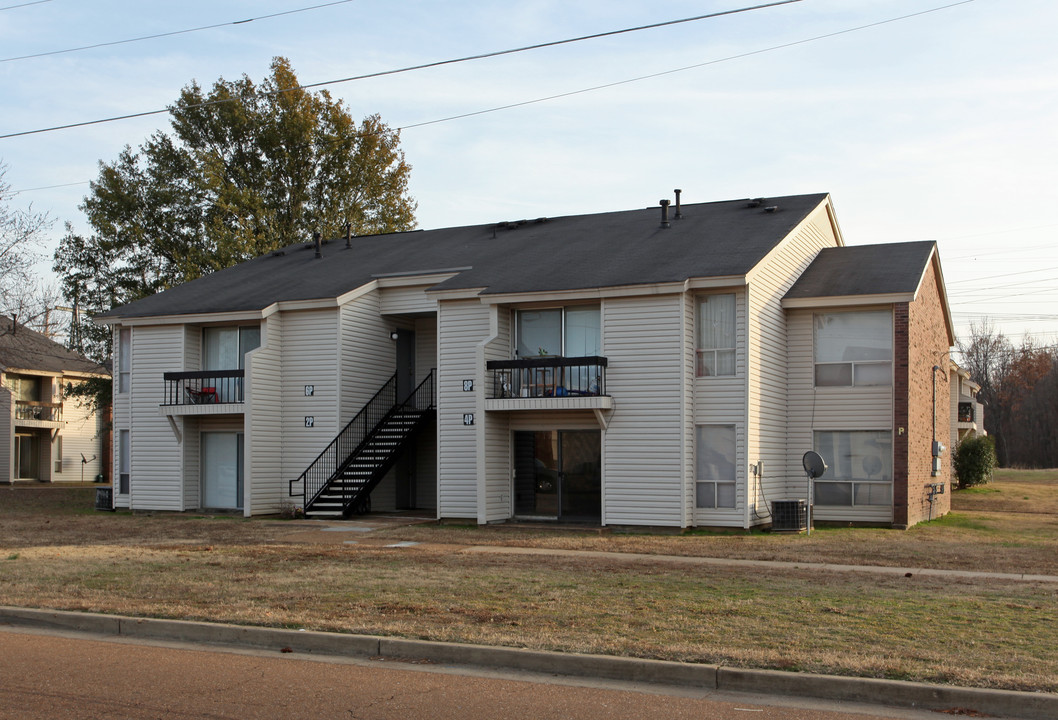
(889, 268)
(25, 349)
(566, 253)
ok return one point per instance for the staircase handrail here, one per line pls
(320, 471)
(423, 391)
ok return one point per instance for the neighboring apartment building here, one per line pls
(48, 437)
(968, 414)
(664, 367)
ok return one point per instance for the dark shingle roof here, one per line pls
(566, 253)
(884, 269)
(25, 349)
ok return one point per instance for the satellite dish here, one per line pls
(813, 464)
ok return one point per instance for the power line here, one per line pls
(173, 32)
(423, 66)
(25, 4)
(1012, 274)
(50, 187)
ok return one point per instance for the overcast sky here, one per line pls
(925, 120)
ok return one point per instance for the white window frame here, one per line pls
(704, 352)
(857, 486)
(854, 372)
(124, 462)
(709, 482)
(124, 359)
(563, 310)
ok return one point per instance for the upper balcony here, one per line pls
(970, 414)
(548, 383)
(32, 413)
(204, 392)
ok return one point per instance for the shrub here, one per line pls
(975, 458)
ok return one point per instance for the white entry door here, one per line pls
(222, 470)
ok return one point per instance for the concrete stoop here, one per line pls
(895, 693)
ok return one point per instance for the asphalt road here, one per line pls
(64, 675)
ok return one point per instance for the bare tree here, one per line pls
(23, 297)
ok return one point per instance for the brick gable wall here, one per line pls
(920, 343)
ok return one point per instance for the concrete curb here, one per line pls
(895, 693)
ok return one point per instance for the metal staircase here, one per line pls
(339, 481)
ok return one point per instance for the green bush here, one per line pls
(975, 458)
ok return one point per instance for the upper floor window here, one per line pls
(26, 388)
(124, 358)
(716, 335)
(569, 331)
(225, 348)
(854, 348)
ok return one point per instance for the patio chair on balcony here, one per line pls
(206, 394)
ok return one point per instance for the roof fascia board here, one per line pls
(30, 371)
(847, 300)
(456, 293)
(563, 296)
(711, 283)
(781, 245)
(193, 319)
(341, 299)
(416, 278)
(934, 264)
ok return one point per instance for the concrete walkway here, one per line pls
(770, 564)
(999, 703)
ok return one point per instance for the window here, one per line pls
(716, 335)
(854, 349)
(124, 358)
(225, 348)
(568, 332)
(715, 466)
(124, 461)
(859, 468)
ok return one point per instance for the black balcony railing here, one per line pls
(205, 387)
(35, 410)
(550, 376)
(966, 412)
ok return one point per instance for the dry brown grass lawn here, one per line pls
(56, 552)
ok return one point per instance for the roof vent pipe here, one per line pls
(679, 214)
(665, 213)
(348, 235)
(316, 243)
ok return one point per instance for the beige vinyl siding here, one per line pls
(406, 300)
(310, 357)
(495, 432)
(689, 400)
(7, 426)
(121, 419)
(266, 484)
(192, 348)
(721, 400)
(461, 326)
(768, 373)
(188, 426)
(643, 341)
(82, 434)
(828, 408)
(368, 355)
(157, 459)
